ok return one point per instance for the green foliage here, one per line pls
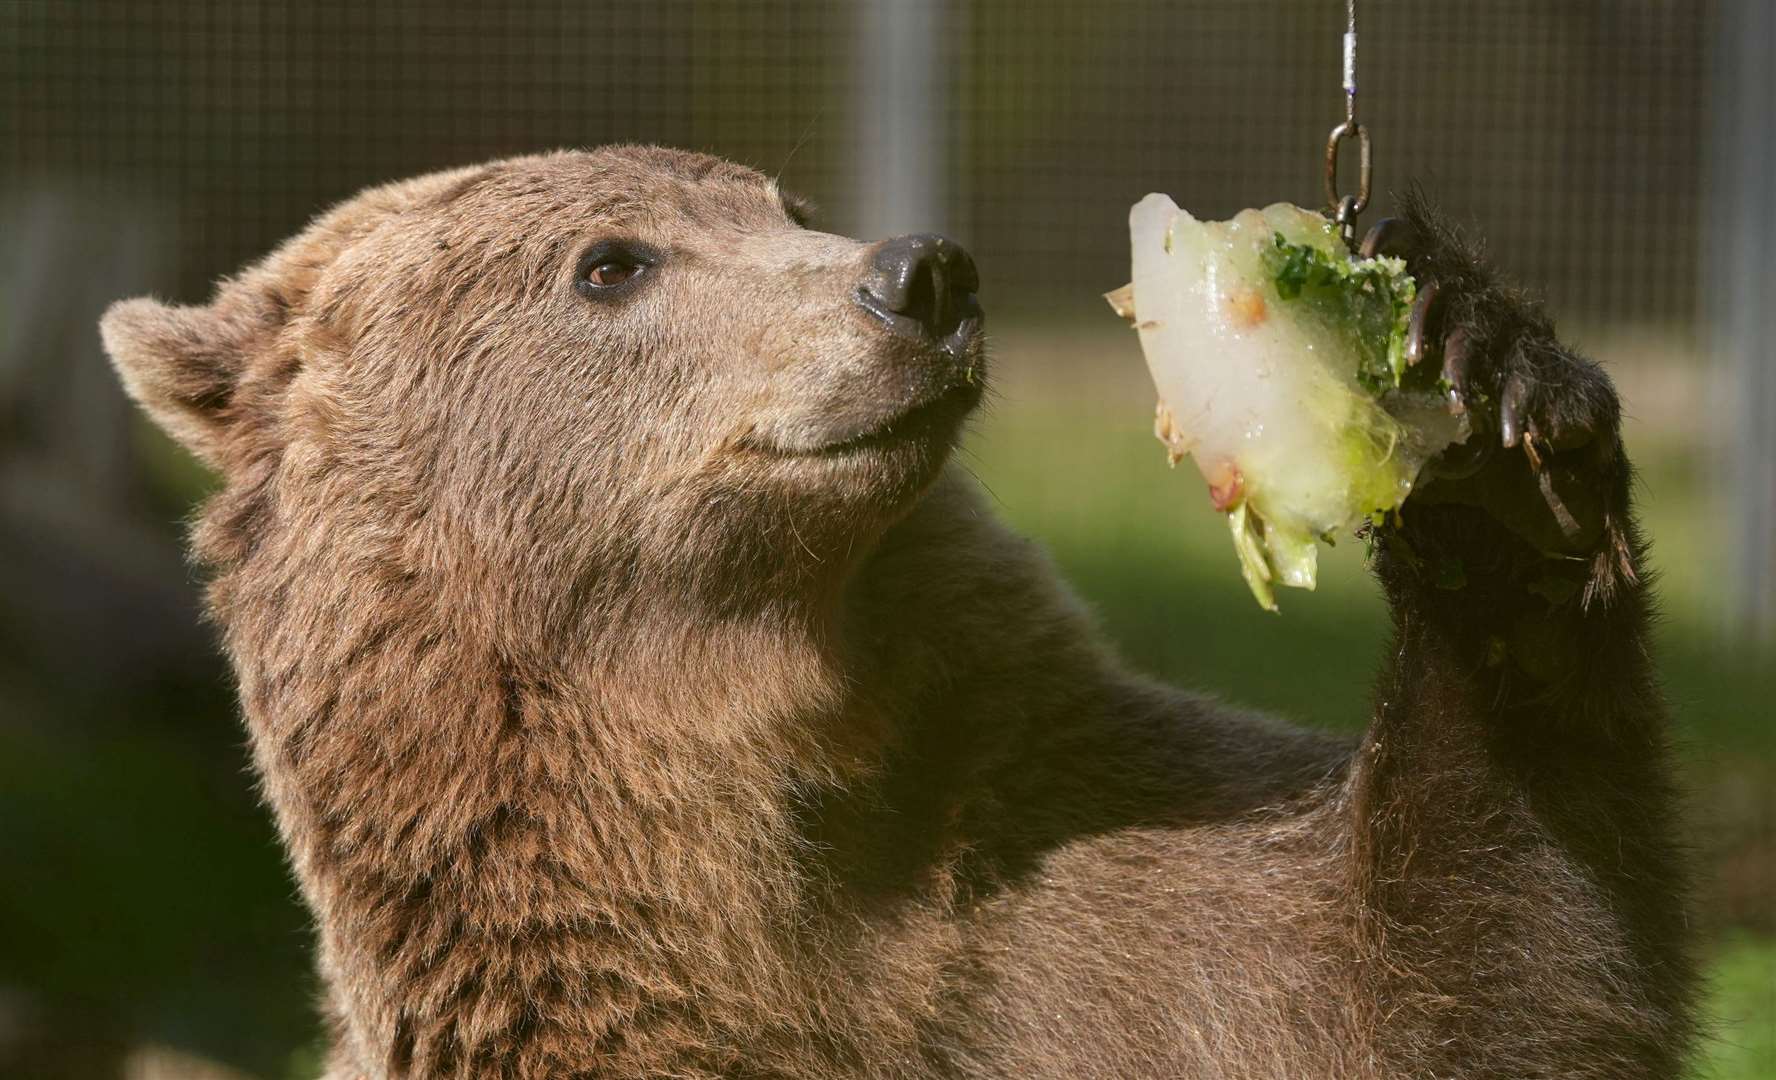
(1741, 1011)
(1367, 302)
(1138, 542)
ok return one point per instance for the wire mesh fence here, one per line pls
(1572, 129)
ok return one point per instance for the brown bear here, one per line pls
(640, 695)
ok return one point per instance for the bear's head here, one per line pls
(565, 373)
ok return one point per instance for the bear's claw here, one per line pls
(1501, 365)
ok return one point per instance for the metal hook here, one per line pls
(1344, 209)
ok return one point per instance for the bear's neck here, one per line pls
(515, 852)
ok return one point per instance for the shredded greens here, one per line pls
(1365, 301)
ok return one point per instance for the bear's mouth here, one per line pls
(938, 415)
(935, 416)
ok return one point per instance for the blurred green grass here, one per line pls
(1742, 1004)
(1069, 458)
(1141, 545)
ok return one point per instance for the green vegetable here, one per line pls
(1365, 302)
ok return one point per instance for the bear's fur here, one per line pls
(640, 695)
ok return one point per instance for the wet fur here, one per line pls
(687, 766)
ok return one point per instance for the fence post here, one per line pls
(901, 111)
(1738, 264)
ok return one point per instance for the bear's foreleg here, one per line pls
(1517, 883)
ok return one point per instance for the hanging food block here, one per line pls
(1280, 361)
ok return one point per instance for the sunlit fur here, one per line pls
(611, 738)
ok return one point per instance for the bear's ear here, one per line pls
(181, 364)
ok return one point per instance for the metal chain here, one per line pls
(1344, 209)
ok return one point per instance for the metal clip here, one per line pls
(1344, 209)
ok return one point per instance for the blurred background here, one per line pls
(1616, 154)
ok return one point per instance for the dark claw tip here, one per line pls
(1516, 395)
(1529, 449)
(1390, 236)
(1377, 236)
(1423, 309)
(1456, 350)
(1563, 517)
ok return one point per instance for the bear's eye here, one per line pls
(611, 273)
(604, 270)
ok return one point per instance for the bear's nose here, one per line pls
(923, 287)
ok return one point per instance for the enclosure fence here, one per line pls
(184, 140)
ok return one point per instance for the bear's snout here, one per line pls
(903, 371)
(922, 287)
